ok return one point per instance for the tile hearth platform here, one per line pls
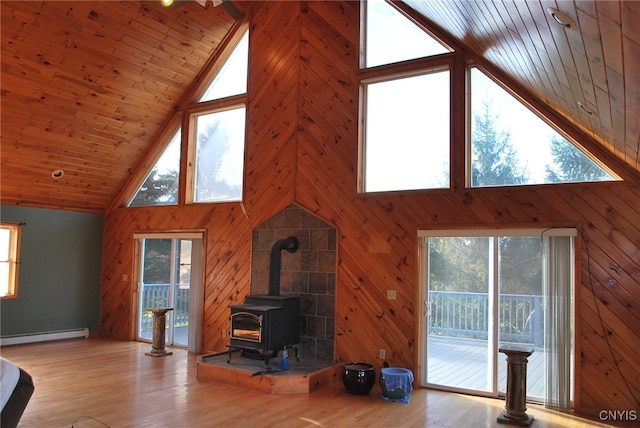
(302, 377)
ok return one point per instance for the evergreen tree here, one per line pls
(459, 264)
(158, 189)
(157, 261)
(494, 157)
(520, 265)
(571, 165)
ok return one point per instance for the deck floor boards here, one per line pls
(463, 363)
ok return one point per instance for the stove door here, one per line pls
(246, 326)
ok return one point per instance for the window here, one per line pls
(407, 133)
(484, 289)
(392, 37)
(232, 78)
(217, 133)
(510, 145)
(405, 141)
(161, 185)
(220, 155)
(9, 259)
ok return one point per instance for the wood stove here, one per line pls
(266, 323)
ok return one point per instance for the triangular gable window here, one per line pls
(232, 78)
(510, 145)
(161, 185)
(391, 37)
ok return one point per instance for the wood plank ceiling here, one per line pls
(87, 85)
(85, 88)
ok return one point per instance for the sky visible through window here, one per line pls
(5, 245)
(391, 37)
(232, 78)
(529, 134)
(407, 133)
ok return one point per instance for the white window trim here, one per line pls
(13, 260)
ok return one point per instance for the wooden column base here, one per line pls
(504, 419)
(162, 353)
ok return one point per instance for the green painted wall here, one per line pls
(59, 277)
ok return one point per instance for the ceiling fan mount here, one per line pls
(227, 5)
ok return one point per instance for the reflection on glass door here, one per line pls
(165, 282)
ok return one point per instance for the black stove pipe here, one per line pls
(275, 260)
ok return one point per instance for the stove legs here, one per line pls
(266, 355)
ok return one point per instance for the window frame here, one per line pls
(399, 70)
(460, 61)
(468, 152)
(13, 261)
(202, 109)
(390, 73)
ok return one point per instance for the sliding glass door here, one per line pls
(483, 291)
(167, 279)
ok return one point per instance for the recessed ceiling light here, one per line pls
(58, 173)
(562, 18)
(166, 3)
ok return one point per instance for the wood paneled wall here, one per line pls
(302, 148)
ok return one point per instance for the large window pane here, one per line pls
(510, 145)
(392, 37)
(5, 260)
(220, 156)
(407, 133)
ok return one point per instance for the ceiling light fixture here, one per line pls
(562, 18)
(166, 3)
(58, 173)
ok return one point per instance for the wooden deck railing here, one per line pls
(157, 296)
(465, 315)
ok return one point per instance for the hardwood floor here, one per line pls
(92, 383)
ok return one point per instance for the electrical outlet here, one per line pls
(391, 294)
(224, 333)
(382, 354)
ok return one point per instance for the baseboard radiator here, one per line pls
(44, 337)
